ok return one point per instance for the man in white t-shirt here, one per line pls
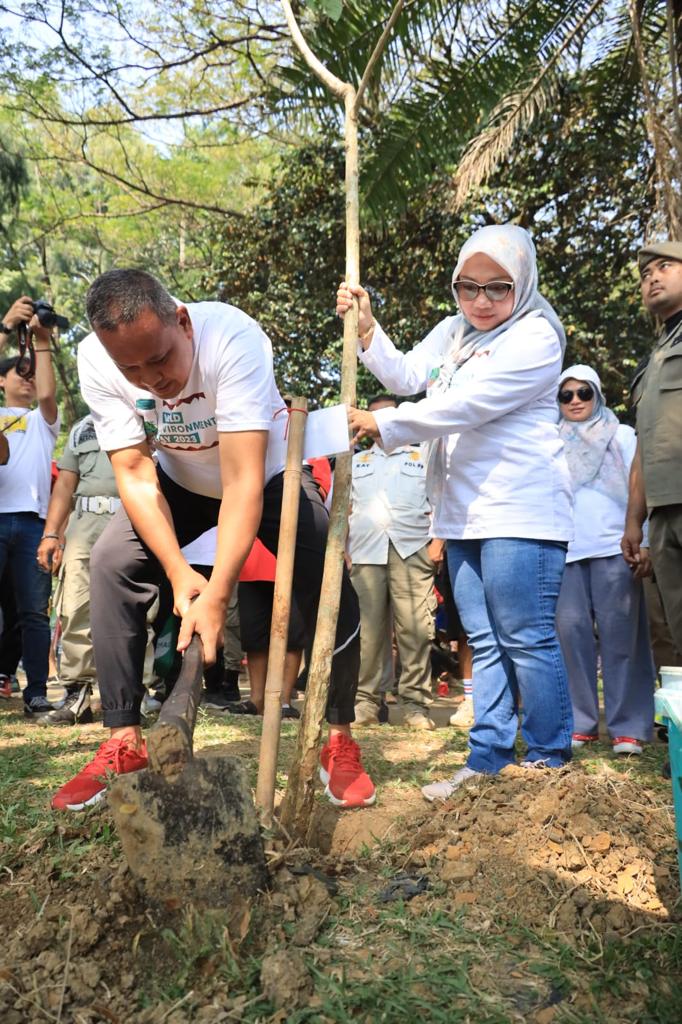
(25, 491)
(197, 379)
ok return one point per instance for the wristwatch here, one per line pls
(5, 329)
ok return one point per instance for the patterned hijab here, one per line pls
(594, 457)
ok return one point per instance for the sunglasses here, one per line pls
(496, 291)
(585, 393)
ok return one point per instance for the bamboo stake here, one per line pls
(298, 801)
(281, 608)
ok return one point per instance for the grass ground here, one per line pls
(512, 926)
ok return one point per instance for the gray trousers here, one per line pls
(398, 593)
(602, 592)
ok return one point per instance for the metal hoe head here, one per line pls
(188, 826)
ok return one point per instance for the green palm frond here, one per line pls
(517, 111)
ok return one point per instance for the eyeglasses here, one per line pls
(585, 393)
(496, 291)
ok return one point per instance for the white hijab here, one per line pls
(511, 247)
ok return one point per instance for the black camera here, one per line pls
(47, 315)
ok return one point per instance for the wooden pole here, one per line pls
(298, 801)
(281, 608)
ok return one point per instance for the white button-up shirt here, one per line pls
(389, 504)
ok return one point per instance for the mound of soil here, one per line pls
(580, 855)
(576, 852)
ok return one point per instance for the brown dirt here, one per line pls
(574, 851)
(567, 852)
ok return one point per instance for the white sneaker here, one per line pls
(420, 721)
(463, 717)
(366, 714)
(444, 790)
(626, 745)
(151, 705)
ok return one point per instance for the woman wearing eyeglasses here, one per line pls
(498, 482)
(599, 589)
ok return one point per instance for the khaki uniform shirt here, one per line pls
(83, 455)
(657, 393)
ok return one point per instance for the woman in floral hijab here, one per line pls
(599, 592)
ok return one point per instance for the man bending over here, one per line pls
(198, 381)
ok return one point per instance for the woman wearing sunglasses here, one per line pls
(498, 483)
(599, 589)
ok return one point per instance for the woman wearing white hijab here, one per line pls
(599, 589)
(498, 484)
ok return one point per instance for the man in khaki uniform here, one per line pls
(392, 574)
(656, 474)
(85, 474)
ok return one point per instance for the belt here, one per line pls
(98, 504)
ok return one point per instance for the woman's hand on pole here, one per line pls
(362, 424)
(344, 301)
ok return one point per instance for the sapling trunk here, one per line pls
(298, 801)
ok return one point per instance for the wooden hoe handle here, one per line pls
(169, 743)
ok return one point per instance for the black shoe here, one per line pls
(75, 710)
(230, 687)
(216, 701)
(244, 707)
(289, 711)
(37, 706)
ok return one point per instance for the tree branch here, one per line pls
(333, 83)
(376, 54)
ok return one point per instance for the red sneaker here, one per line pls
(5, 686)
(114, 757)
(580, 739)
(347, 783)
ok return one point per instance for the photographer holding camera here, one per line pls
(31, 434)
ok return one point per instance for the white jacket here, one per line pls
(503, 472)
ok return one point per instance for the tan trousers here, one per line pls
(72, 603)
(72, 598)
(665, 543)
(402, 592)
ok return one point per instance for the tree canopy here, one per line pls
(194, 142)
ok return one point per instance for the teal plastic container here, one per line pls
(669, 706)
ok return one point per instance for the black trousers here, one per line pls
(125, 577)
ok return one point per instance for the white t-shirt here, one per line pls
(25, 479)
(388, 504)
(599, 519)
(503, 473)
(231, 388)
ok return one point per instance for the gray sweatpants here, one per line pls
(602, 591)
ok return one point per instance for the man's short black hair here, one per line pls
(7, 364)
(384, 397)
(120, 296)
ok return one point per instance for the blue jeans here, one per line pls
(506, 592)
(20, 534)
